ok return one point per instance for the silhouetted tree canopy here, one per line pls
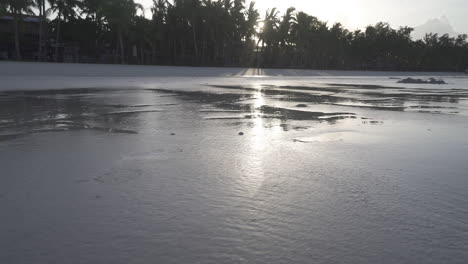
(226, 33)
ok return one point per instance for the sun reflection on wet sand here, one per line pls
(259, 100)
(262, 134)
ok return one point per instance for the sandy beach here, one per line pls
(153, 164)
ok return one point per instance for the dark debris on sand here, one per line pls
(421, 81)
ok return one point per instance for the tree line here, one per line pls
(226, 33)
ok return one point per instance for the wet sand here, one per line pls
(233, 169)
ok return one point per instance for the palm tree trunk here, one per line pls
(122, 50)
(258, 53)
(195, 46)
(203, 56)
(142, 55)
(44, 47)
(41, 24)
(17, 43)
(174, 52)
(57, 38)
(98, 36)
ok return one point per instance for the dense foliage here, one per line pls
(231, 33)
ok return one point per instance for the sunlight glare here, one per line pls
(260, 26)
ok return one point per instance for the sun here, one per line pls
(259, 27)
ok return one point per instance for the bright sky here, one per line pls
(360, 13)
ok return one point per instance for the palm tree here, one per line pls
(284, 36)
(339, 43)
(268, 35)
(248, 32)
(65, 9)
(40, 4)
(120, 15)
(18, 8)
(3, 8)
(93, 10)
(159, 26)
(285, 26)
(216, 24)
(141, 37)
(306, 33)
(252, 20)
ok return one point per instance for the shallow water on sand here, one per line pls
(330, 171)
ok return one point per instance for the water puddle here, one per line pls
(114, 110)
